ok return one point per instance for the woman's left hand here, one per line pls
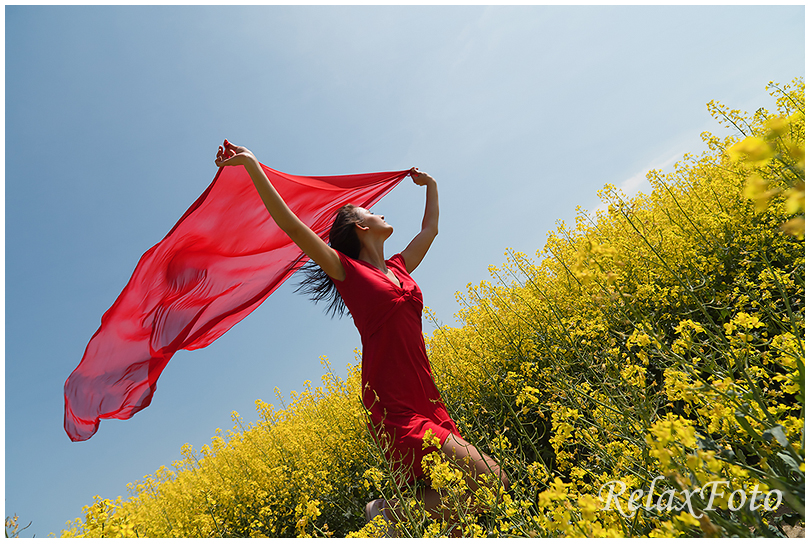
(229, 154)
(420, 178)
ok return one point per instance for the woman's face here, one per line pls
(375, 223)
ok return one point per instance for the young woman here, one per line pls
(386, 305)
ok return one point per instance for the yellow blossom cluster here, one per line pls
(277, 477)
(662, 338)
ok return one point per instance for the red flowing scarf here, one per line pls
(223, 258)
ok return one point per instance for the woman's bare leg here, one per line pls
(466, 456)
(477, 463)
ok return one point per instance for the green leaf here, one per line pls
(776, 433)
(706, 443)
(789, 461)
(745, 425)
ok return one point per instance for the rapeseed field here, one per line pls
(641, 375)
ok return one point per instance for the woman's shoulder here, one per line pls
(348, 263)
(396, 259)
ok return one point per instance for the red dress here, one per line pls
(398, 386)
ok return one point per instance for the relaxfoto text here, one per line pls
(686, 500)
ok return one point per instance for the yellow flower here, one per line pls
(589, 505)
(529, 395)
(777, 127)
(794, 227)
(430, 440)
(797, 152)
(753, 150)
(757, 190)
(795, 199)
(687, 519)
(746, 321)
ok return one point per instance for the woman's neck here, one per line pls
(373, 254)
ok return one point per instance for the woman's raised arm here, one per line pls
(416, 250)
(302, 235)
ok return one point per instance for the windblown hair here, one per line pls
(342, 237)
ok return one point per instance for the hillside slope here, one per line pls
(653, 350)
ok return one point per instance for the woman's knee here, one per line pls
(494, 468)
(478, 463)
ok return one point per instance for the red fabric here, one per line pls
(220, 261)
(398, 385)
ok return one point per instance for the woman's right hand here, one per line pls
(229, 154)
(420, 178)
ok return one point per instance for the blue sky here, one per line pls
(114, 114)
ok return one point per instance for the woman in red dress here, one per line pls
(386, 305)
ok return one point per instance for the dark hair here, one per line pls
(342, 237)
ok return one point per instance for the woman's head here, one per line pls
(342, 235)
(351, 223)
